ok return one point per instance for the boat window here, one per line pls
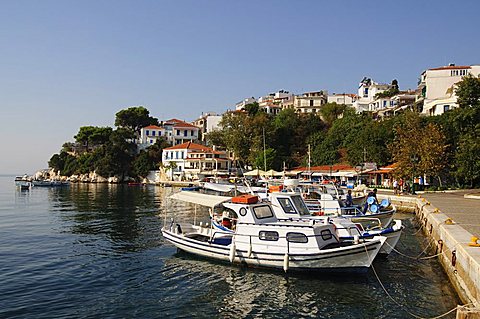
(297, 238)
(262, 212)
(287, 205)
(300, 205)
(326, 234)
(268, 235)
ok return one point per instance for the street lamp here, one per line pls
(414, 158)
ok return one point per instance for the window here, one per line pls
(262, 212)
(300, 205)
(287, 205)
(326, 234)
(297, 238)
(311, 102)
(147, 132)
(365, 92)
(446, 108)
(151, 141)
(153, 133)
(178, 132)
(184, 132)
(268, 235)
(191, 133)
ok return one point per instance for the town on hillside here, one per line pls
(300, 135)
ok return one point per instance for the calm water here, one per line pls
(96, 251)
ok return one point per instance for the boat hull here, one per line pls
(349, 258)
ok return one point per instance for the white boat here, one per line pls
(326, 203)
(291, 206)
(23, 182)
(259, 239)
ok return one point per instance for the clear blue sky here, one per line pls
(66, 64)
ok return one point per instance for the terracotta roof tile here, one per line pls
(453, 67)
(190, 146)
(153, 127)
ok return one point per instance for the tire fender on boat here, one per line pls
(232, 252)
(286, 262)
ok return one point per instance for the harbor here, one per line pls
(107, 237)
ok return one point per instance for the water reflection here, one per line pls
(126, 216)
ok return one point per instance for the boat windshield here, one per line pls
(300, 205)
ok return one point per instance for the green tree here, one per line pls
(332, 111)
(252, 109)
(134, 118)
(417, 149)
(269, 155)
(93, 136)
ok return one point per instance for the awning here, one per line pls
(200, 199)
(223, 188)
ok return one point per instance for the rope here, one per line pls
(399, 304)
(414, 258)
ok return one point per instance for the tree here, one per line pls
(467, 160)
(93, 136)
(269, 155)
(392, 90)
(417, 149)
(332, 111)
(134, 118)
(252, 109)
(468, 92)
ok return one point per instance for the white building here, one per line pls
(241, 105)
(192, 160)
(207, 123)
(366, 93)
(437, 87)
(178, 132)
(310, 102)
(149, 136)
(345, 98)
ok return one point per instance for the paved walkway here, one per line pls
(463, 211)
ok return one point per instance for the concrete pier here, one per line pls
(450, 221)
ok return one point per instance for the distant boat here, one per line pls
(23, 182)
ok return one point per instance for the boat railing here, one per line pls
(373, 219)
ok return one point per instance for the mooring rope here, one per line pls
(401, 305)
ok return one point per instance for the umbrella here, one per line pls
(273, 173)
(255, 172)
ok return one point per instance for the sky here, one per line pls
(66, 64)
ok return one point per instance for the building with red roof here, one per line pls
(437, 87)
(193, 161)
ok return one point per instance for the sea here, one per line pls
(96, 251)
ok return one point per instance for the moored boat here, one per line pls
(257, 238)
(291, 206)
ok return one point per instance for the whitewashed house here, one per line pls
(207, 122)
(241, 105)
(437, 87)
(193, 160)
(310, 102)
(367, 90)
(345, 98)
(178, 132)
(149, 136)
